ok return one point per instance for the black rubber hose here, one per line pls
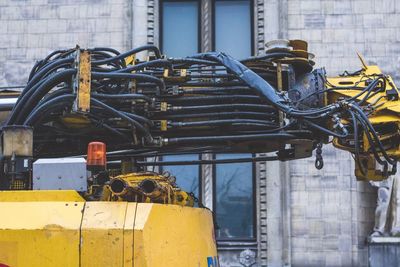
(373, 132)
(29, 100)
(34, 69)
(130, 52)
(210, 123)
(211, 161)
(224, 90)
(157, 63)
(262, 87)
(225, 138)
(122, 97)
(192, 61)
(357, 144)
(214, 99)
(234, 114)
(59, 101)
(139, 118)
(51, 67)
(56, 93)
(324, 130)
(224, 107)
(139, 77)
(100, 55)
(98, 121)
(122, 115)
(107, 49)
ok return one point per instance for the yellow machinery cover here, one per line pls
(58, 228)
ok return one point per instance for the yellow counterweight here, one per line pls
(41, 228)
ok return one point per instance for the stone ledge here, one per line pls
(383, 240)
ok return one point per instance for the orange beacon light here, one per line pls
(96, 156)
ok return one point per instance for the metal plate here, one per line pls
(60, 174)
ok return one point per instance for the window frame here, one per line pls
(254, 191)
(161, 19)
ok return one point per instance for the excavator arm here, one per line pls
(207, 103)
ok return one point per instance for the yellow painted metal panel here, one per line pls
(172, 235)
(40, 195)
(102, 234)
(84, 77)
(40, 233)
(128, 234)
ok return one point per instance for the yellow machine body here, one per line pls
(384, 115)
(59, 228)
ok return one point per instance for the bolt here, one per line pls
(81, 177)
(59, 177)
(38, 178)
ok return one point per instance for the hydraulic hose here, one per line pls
(48, 68)
(235, 114)
(262, 87)
(117, 113)
(122, 97)
(129, 53)
(32, 97)
(223, 107)
(158, 63)
(215, 99)
(210, 123)
(225, 138)
(139, 77)
(57, 102)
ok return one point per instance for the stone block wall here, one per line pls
(337, 29)
(30, 29)
(332, 213)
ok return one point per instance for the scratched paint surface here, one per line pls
(40, 233)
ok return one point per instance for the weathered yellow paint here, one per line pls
(78, 233)
(42, 195)
(102, 234)
(128, 234)
(383, 112)
(40, 233)
(172, 235)
(84, 78)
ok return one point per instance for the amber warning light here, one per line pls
(96, 156)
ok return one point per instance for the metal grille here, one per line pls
(18, 185)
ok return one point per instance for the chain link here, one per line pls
(319, 161)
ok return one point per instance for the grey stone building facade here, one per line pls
(303, 217)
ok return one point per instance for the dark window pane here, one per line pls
(234, 198)
(180, 28)
(233, 27)
(187, 176)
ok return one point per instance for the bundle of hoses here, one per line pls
(205, 103)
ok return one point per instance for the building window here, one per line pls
(179, 27)
(233, 31)
(187, 176)
(234, 183)
(179, 38)
(234, 198)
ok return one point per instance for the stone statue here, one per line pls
(387, 214)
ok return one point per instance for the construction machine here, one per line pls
(76, 142)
